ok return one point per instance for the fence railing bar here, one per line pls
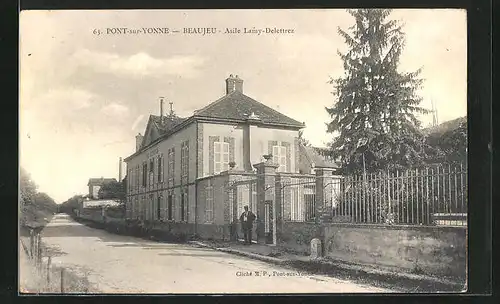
(438, 188)
(427, 194)
(388, 195)
(398, 215)
(394, 193)
(360, 199)
(462, 189)
(448, 203)
(380, 193)
(365, 207)
(456, 189)
(351, 201)
(407, 210)
(372, 211)
(416, 196)
(354, 198)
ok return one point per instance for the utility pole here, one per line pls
(435, 120)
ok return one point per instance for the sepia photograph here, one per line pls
(284, 151)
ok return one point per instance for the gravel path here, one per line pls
(123, 264)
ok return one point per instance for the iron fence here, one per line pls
(299, 197)
(422, 196)
(435, 195)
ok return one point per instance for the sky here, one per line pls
(84, 96)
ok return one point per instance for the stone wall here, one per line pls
(417, 249)
(426, 249)
(296, 236)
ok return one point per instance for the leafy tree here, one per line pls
(45, 202)
(302, 139)
(36, 208)
(27, 187)
(374, 113)
(451, 144)
(112, 190)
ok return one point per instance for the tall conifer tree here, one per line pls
(374, 115)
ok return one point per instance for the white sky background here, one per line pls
(85, 97)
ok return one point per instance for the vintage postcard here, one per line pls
(243, 151)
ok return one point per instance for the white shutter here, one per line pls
(162, 168)
(141, 167)
(275, 154)
(283, 158)
(217, 157)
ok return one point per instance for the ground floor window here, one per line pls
(158, 208)
(169, 206)
(209, 206)
(182, 206)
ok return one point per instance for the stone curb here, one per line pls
(334, 264)
(242, 253)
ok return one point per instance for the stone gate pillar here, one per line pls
(326, 182)
(266, 172)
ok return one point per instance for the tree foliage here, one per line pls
(374, 114)
(450, 144)
(302, 140)
(36, 208)
(27, 188)
(112, 190)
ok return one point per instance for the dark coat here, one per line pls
(250, 218)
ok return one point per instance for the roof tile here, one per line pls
(237, 105)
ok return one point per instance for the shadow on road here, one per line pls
(193, 255)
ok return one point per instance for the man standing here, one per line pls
(246, 219)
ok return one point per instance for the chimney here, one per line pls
(138, 142)
(234, 83)
(161, 109)
(120, 170)
(171, 114)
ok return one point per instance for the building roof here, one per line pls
(444, 127)
(233, 107)
(100, 181)
(238, 106)
(169, 122)
(310, 158)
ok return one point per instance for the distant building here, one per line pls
(96, 183)
(312, 157)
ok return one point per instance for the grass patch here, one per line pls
(382, 280)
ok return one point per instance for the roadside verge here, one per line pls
(397, 281)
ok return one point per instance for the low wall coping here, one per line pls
(395, 227)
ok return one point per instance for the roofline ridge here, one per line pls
(213, 103)
(307, 154)
(276, 111)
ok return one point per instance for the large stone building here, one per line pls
(182, 168)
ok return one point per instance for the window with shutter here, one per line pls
(162, 168)
(158, 208)
(159, 163)
(209, 206)
(221, 157)
(169, 206)
(171, 156)
(279, 158)
(144, 174)
(185, 161)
